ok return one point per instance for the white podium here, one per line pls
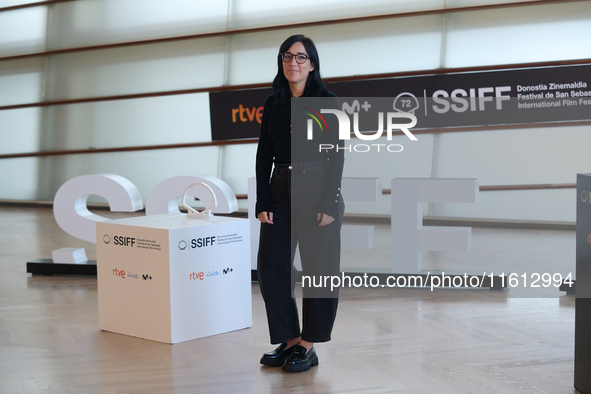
(171, 279)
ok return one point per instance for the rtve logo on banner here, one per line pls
(247, 114)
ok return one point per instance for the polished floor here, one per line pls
(385, 340)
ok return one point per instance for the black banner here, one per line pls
(237, 114)
(524, 96)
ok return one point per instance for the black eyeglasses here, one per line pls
(299, 57)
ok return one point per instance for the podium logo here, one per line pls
(202, 275)
(196, 276)
(202, 242)
(119, 273)
(129, 275)
(197, 243)
(228, 270)
(123, 241)
(388, 123)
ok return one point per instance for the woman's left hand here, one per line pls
(324, 219)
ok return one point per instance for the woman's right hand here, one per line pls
(266, 217)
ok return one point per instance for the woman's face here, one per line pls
(295, 73)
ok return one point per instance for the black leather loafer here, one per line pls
(301, 360)
(277, 357)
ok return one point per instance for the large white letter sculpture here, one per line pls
(72, 214)
(409, 237)
(354, 236)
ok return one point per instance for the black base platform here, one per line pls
(48, 267)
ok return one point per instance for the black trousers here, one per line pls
(296, 192)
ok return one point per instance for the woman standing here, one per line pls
(298, 203)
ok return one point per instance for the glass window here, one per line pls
(11, 3)
(518, 35)
(92, 22)
(145, 169)
(146, 68)
(19, 130)
(149, 121)
(23, 31)
(18, 179)
(361, 48)
(21, 81)
(250, 13)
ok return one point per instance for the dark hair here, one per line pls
(315, 87)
